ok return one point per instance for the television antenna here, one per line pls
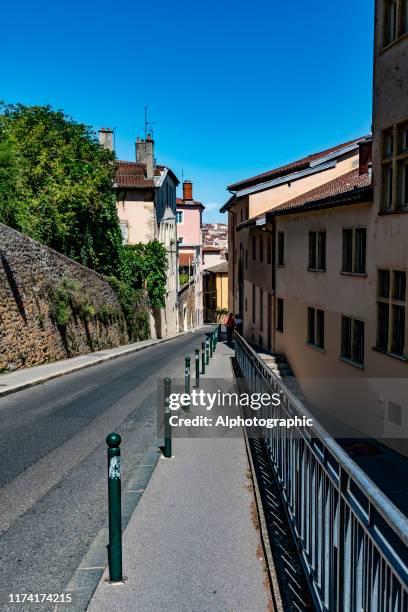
(148, 124)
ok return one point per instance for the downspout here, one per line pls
(273, 283)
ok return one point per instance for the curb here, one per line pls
(272, 575)
(87, 576)
(98, 360)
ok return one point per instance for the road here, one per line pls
(53, 461)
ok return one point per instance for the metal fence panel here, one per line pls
(353, 541)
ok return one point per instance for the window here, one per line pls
(281, 249)
(279, 314)
(354, 250)
(404, 17)
(394, 162)
(391, 295)
(125, 232)
(261, 248)
(261, 309)
(390, 22)
(179, 216)
(253, 303)
(395, 20)
(268, 249)
(180, 239)
(253, 248)
(352, 340)
(317, 251)
(315, 327)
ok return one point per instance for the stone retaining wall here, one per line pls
(29, 333)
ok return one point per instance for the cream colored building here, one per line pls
(318, 259)
(216, 293)
(146, 205)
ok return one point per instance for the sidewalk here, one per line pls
(29, 377)
(191, 544)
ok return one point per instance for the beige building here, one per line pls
(146, 205)
(318, 259)
(216, 293)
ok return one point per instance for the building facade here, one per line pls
(146, 205)
(189, 245)
(216, 293)
(318, 259)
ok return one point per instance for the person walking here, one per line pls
(238, 324)
(229, 324)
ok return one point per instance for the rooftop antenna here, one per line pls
(148, 124)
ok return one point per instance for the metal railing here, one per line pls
(352, 540)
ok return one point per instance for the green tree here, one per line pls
(8, 183)
(57, 185)
(145, 266)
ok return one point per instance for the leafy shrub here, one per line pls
(134, 310)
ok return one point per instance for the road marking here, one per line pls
(93, 568)
(136, 491)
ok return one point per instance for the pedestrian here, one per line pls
(238, 324)
(229, 324)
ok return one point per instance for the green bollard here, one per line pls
(203, 358)
(211, 345)
(214, 341)
(187, 375)
(207, 351)
(113, 441)
(197, 367)
(167, 429)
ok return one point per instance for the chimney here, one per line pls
(187, 190)
(365, 155)
(106, 138)
(145, 154)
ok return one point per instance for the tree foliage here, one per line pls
(145, 266)
(56, 185)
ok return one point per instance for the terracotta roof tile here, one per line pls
(345, 183)
(132, 174)
(293, 166)
(186, 259)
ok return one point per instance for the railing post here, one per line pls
(207, 351)
(167, 429)
(113, 441)
(203, 358)
(197, 367)
(210, 344)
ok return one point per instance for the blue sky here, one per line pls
(235, 88)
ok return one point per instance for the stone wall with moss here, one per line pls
(52, 307)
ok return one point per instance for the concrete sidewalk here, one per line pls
(192, 542)
(36, 375)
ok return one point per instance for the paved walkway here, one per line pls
(191, 544)
(29, 377)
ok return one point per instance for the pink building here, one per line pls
(189, 242)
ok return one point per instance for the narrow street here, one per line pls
(53, 460)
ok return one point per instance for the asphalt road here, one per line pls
(53, 461)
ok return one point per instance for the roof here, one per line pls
(181, 202)
(186, 259)
(221, 268)
(299, 164)
(214, 249)
(349, 188)
(344, 185)
(133, 175)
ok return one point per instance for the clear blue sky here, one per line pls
(235, 87)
